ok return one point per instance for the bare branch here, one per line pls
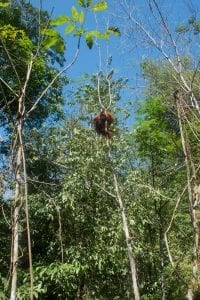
(104, 190)
(178, 68)
(42, 182)
(4, 215)
(11, 62)
(9, 87)
(170, 225)
(54, 79)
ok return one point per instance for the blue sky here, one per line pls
(88, 60)
(125, 59)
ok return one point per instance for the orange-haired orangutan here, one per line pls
(102, 122)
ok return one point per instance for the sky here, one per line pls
(88, 59)
(126, 58)
(125, 61)
(177, 10)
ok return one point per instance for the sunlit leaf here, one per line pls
(89, 40)
(60, 46)
(69, 28)
(96, 34)
(99, 35)
(81, 17)
(79, 32)
(49, 42)
(114, 30)
(182, 28)
(60, 20)
(50, 32)
(75, 14)
(81, 3)
(100, 6)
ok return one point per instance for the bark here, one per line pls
(162, 256)
(132, 261)
(128, 241)
(60, 234)
(20, 191)
(194, 204)
(27, 216)
(15, 224)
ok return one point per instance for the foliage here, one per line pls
(78, 244)
(193, 24)
(75, 24)
(17, 43)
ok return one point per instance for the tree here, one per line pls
(78, 251)
(180, 71)
(22, 88)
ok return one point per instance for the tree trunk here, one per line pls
(194, 201)
(161, 241)
(14, 255)
(15, 223)
(128, 242)
(19, 193)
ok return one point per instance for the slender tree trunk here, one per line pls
(132, 261)
(128, 241)
(193, 205)
(60, 234)
(19, 192)
(14, 258)
(131, 256)
(163, 289)
(15, 223)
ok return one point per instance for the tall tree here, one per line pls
(169, 43)
(23, 86)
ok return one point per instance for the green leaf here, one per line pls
(50, 32)
(79, 32)
(114, 30)
(89, 40)
(49, 42)
(100, 6)
(88, 3)
(182, 28)
(60, 46)
(81, 17)
(96, 34)
(2, 4)
(81, 3)
(60, 20)
(196, 27)
(75, 14)
(69, 28)
(99, 35)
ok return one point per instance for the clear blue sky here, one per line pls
(88, 59)
(125, 60)
(177, 10)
